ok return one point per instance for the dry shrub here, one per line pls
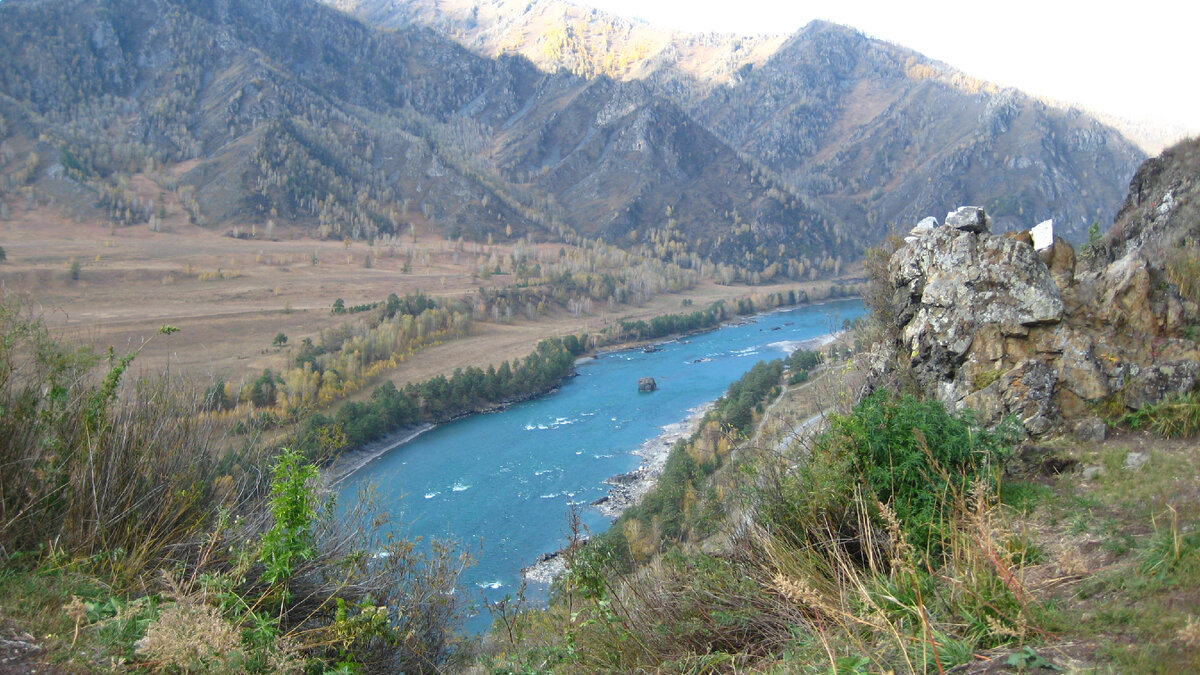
(192, 637)
(1183, 270)
(119, 482)
(1189, 634)
(91, 468)
(879, 294)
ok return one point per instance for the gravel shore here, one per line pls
(626, 489)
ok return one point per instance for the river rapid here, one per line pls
(501, 484)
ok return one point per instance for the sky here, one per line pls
(1136, 60)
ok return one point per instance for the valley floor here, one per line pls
(231, 297)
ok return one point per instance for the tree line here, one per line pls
(440, 398)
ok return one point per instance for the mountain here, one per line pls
(881, 134)
(289, 110)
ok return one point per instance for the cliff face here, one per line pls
(997, 325)
(1162, 209)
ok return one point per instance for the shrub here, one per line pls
(293, 508)
(878, 293)
(86, 469)
(911, 454)
(117, 488)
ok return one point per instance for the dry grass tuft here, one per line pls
(192, 636)
(1190, 633)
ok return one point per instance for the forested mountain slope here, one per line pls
(881, 133)
(289, 111)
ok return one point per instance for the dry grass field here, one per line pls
(231, 296)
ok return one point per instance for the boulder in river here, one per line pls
(647, 384)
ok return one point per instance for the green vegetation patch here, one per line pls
(911, 455)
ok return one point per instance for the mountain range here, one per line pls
(755, 156)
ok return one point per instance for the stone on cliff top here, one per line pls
(924, 227)
(969, 219)
(974, 280)
(961, 294)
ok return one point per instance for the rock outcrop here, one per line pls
(987, 322)
(647, 384)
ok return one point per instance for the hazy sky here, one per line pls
(1136, 59)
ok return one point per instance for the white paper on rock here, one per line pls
(1043, 235)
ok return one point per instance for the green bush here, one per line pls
(293, 508)
(912, 455)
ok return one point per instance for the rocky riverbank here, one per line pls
(626, 489)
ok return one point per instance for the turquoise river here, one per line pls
(501, 483)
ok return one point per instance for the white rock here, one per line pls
(926, 225)
(1135, 460)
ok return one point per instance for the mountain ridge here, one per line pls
(288, 110)
(293, 112)
(907, 125)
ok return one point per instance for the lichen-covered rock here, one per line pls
(1090, 429)
(1025, 392)
(988, 323)
(969, 219)
(1151, 385)
(950, 285)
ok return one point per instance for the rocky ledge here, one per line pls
(1005, 327)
